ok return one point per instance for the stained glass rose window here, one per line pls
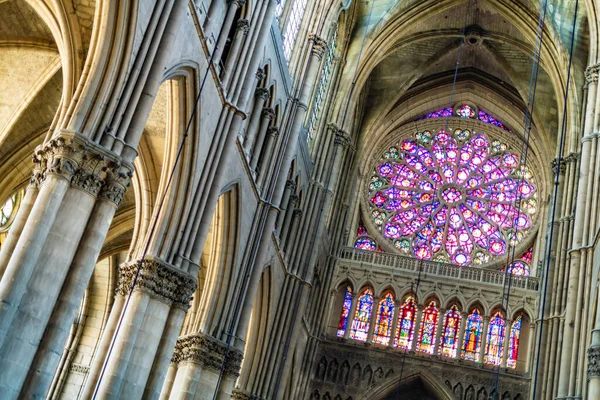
(456, 196)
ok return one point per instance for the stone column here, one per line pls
(461, 333)
(263, 170)
(290, 187)
(260, 97)
(200, 359)
(285, 229)
(235, 4)
(593, 373)
(241, 32)
(486, 323)
(438, 332)
(416, 327)
(351, 315)
(397, 306)
(267, 115)
(373, 320)
(506, 342)
(149, 298)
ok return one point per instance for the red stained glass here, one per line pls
(343, 322)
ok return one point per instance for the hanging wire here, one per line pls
(160, 204)
(554, 200)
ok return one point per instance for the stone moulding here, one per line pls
(593, 362)
(160, 280)
(208, 352)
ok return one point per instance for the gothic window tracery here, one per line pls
(346, 306)
(383, 327)
(454, 196)
(495, 340)
(428, 326)
(406, 324)
(449, 337)
(8, 212)
(292, 27)
(362, 316)
(473, 336)
(466, 111)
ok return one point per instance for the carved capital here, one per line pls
(591, 74)
(290, 184)
(297, 213)
(62, 156)
(593, 362)
(273, 131)
(239, 394)
(160, 280)
(260, 74)
(342, 138)
(239, 3)
(39, 164)
(563, 165)
(268, 113)
(91, 174)
(208, 352)
(243, 25)
(262, 93)
(293, 199)
(117, 180)
(319, 45)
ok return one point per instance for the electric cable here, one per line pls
(160, 206)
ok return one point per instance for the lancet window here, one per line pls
(513, 343)
(346, 306)
(473, 336)
(385, 315)
(360, 322)
(427, 330)
(495, 340)
(292, 27)
(406, 324)
(449, 337)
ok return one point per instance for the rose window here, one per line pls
(455, 197)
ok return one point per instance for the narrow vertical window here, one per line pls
(406, 324)
(360, 323)
(449, 339)
(495, 340)
(513, 343)
(427, 330)
(473, 332)
(385, 315)
(320, 89)
(292, 27)
(343, 323)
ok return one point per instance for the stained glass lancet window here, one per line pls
(292, 27)
(343, 322)
(450, 334)
(385, 315)
(406, 324)
(360, 322)
(473, 334)
(495, 340)
(452, 197)
(513, 343)
(363, 241)
(427, 330)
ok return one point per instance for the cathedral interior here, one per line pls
(300, 199)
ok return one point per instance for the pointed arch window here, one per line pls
(360, 323)
(449, 339)
(427, 329)
(513, 343)
(293, 26)
(495, 340)
(385, 315)
(406, 324)
(473, 332)
(343, 322)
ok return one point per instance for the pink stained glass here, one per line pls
(429, 323)
(465, 111)
(466, 187)
(471, 347)
(365, 243)
(519, 268)
(495, 340)
(513, 343)
(361, 230)
(360, 323)
(346, 306)
(528, 256)
(383, 327)
(406, 324)
(449, 338)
